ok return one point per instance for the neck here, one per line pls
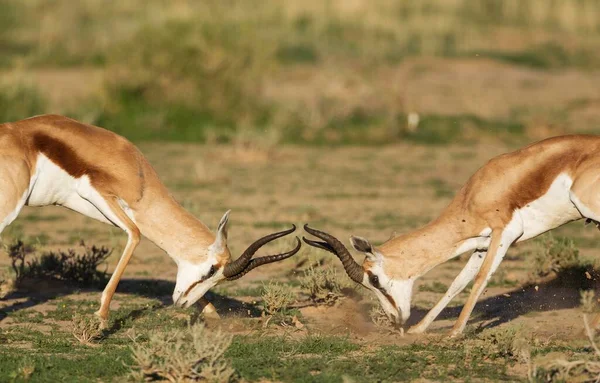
(166, 223)
(419, 251)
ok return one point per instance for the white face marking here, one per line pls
(188, 288)
(551, 210)
(400, 292)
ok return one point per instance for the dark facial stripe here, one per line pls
(381, 289)
(192, 286)
(389, 298)
(208, 275)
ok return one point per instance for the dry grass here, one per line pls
(86, 329)
(380, 318)
(323, 284)
(577, 370)
(277, 298)
(191, 355)
(553, 255)
(511, 342)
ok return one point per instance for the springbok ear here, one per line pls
(221, 237)
(364, 246)
(361, 244)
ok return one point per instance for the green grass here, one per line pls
(201, 75)
(442, 130)
(435, 287)
(441, 188)
(546, 56)
(329, 359)
(20, 100)
(60, 360)
(314, 358)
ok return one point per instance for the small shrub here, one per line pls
(69, 266)
(586, 369)
(277, 298)
(18, 101)
(323, 284)
(554, 254)
(506, 342)
(86, 329)
(17, 252)
(191, 355)
(380, 318)
(434, 287)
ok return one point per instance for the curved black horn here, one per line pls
(332, 244)
(321, 245)
(240, 264)
(265, 260)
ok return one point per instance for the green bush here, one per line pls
(18, 101)
(554, 254)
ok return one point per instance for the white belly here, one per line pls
(551, 210)
(51, 185)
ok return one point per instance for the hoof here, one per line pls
(103, 320)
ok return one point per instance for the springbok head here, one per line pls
(194, 279)
(394, 294)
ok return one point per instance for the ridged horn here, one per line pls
(333, 245)
(265, 260)
(240, 264)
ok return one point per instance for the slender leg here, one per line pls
(208, 309)
(14, 185)
(501, 241)
(462, 280)
(134, 238)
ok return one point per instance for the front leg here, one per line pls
(114, 211)
(208, 309)
(501, 241)
(462, 280)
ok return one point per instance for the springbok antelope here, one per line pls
(514, 197)
(54, 160)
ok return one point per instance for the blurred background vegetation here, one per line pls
(306, 72)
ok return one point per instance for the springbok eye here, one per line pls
(374, 279)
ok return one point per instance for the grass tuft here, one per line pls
(511, 342)
(195, 354)
(277, 298)
(86, 329)
(323, 284)
(585, 369)
(554, 254)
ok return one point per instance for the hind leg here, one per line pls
(14, 188)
